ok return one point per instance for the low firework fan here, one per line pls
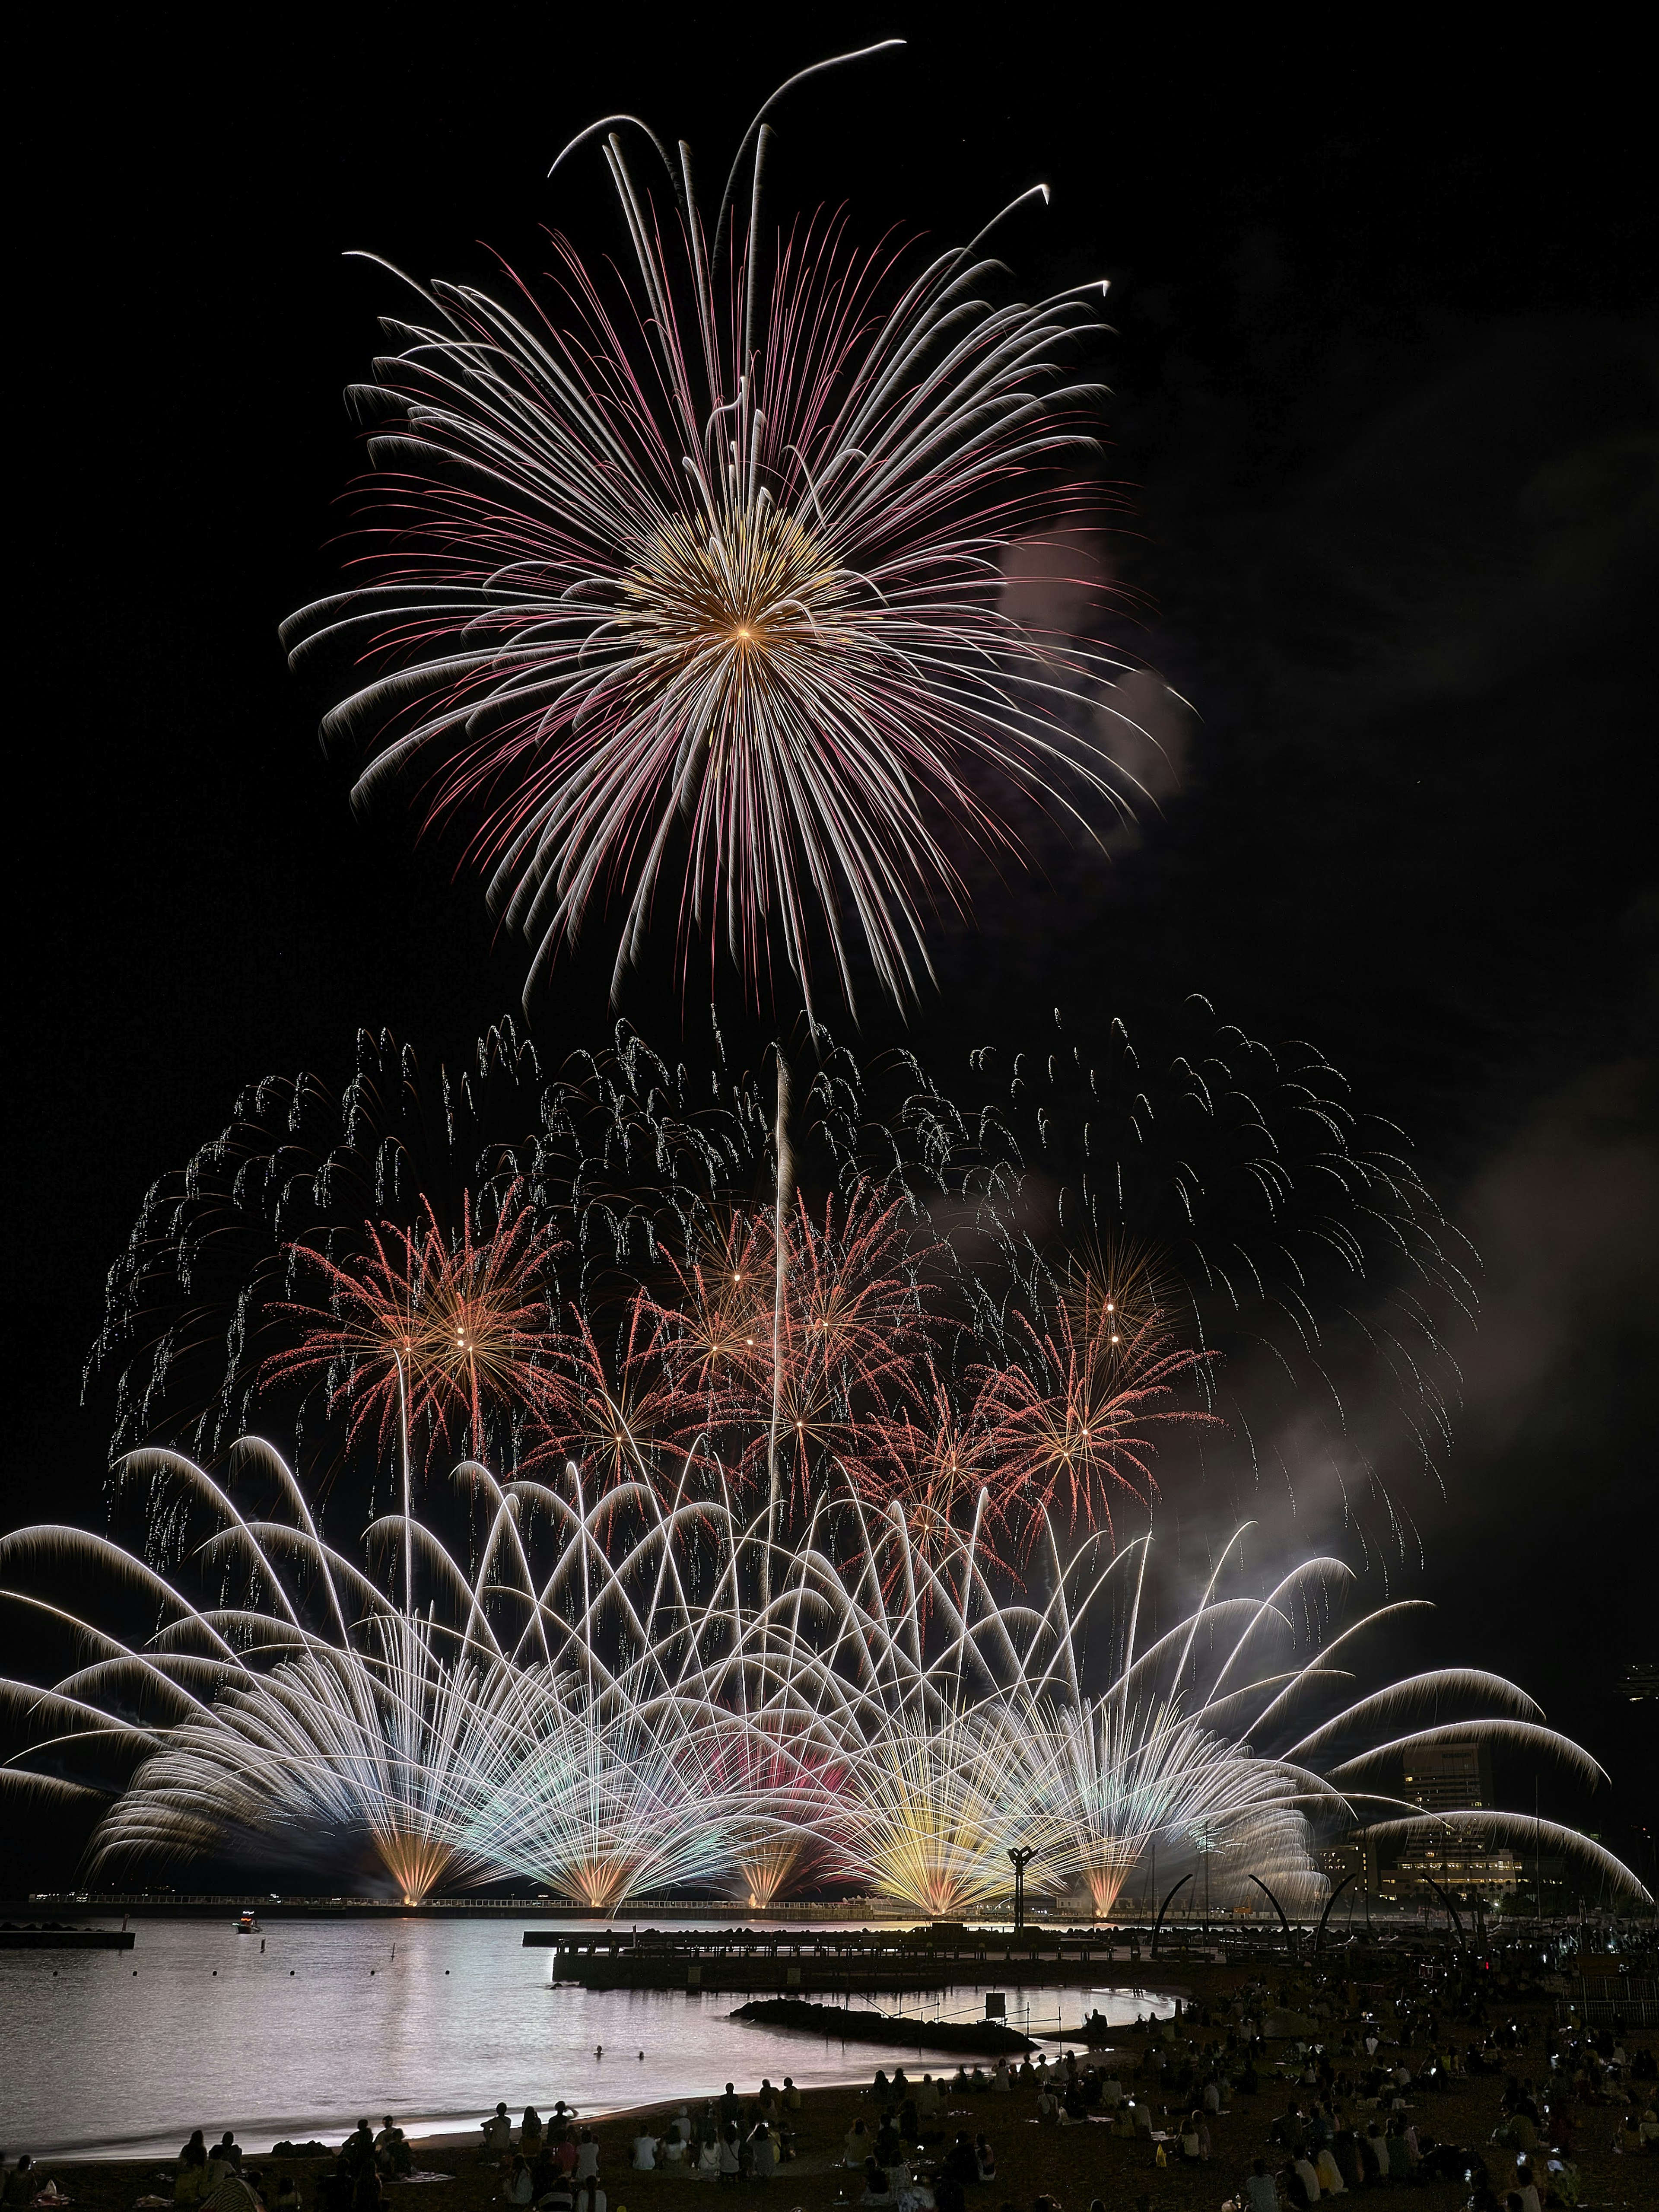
(619, 1696)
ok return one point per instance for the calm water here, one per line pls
(325, 2024)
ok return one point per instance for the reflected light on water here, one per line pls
(324, 2025)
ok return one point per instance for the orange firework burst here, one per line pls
(422, 1332)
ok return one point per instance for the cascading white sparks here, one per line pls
(671, 1700)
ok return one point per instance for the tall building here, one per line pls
(1448, 1778)
(1465, 1861)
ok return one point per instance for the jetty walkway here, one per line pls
(843, 1961)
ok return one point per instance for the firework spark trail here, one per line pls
(670, 1700)
(700, 573)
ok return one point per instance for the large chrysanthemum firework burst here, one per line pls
(688, 586)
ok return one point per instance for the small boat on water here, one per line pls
(248, 1924)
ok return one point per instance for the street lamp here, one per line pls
(1020, 1855)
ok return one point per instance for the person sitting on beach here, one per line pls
(529, 2134)
(927, 2098)
(880, 2087)
(520, 2181)
(960, 2162)
(587, 2157)
(643, 2157)
(1047, 2106)
(287, 2196)
(1377, 2143)
(564, 2151)
(392, 2150)
(708, 2156)
(367, 2195)
(1001, 2079)
(985, 2158)
(556, 2197)
(730, 2106)
(888, 2147)
(731, 2156)
(191, 2186)
(222, 2159)
(590, 2197)
(790, 2095)
(857, 2147)
(961, 2087)
(763, 2152)
(1073, 2109)
(355, 2152)
(497, 2130)
(23, 2181)
(877, 2189)
(1260, 2189)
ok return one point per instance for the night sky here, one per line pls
(1384, 417)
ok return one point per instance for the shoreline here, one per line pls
(1072, 2165)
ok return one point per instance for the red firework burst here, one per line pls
(1066, 1425)
(432, 1332)
(847, 1343)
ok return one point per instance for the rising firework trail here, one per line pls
(687, 583)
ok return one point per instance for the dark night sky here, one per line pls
(1385, 403)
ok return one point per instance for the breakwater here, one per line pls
(850, 2024)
